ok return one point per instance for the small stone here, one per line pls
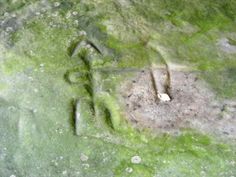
(91, 50)
(76, 22)
(9, 29)
(83, 44)
(64, 172)
(203, 172)
(129, 169)
(60, 131)
(68, 15)
(31, 52)
(83, 157)
(13, 176)
(30, 78)
(136, 159)
(55, 14)
(233, 163)
(74, 13)
(56, 4)
(6, 14)
(37, 13)
(82, 33)
(164, 97)
(88, 46)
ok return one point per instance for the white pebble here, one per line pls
(56, 4)
(91, 50)
(68, 15)
(136, 159)
(83, 157)
(6, 14)
(83, 43)
(13, 176)
(37, 13)
(76, 22)
(55, 14)
(129, 169)
(82, 33)
(75, 13)
(88, 46)
(64, 172)
(9, 29)
(30, 78)
(163, 97)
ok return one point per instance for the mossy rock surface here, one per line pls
(61, 57)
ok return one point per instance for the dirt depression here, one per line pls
(193, 105)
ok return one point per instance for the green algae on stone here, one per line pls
(37, 118)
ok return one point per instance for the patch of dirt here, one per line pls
(193, 105)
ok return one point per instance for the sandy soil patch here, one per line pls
(193, 105)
